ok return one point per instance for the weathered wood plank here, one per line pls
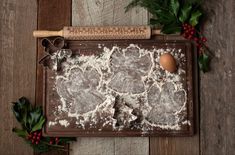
(52, 15)
(217, 86)
(174, 146)
(131, 146)
(106, 12)
(17, 70)
(93, 146)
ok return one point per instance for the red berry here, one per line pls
(32, 141)
(38, 138)
(37, 142)
(195, 39)
(57, 140)
(51, 142)
(40, 134)
(35, 133)
(199, 46)
(203, 39)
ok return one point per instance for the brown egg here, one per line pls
(167, 61)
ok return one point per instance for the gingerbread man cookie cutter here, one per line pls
(56, 52)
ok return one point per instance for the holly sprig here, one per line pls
(32, 121)
(178, 16)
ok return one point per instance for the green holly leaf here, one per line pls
(21, 109)
(41, 147)
(194, 19)
(171, 28)
(20, 133)
(175, 6)
(34, 116)
(32, 119)
(165, 17)
(152, 6)
(39, 124)
(132, 4)
(154, 22)
(203, 61)
(185, 12)
(17, 112)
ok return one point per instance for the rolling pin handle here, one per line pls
(156, 32)
(45, 33)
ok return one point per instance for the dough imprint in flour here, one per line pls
(127, 85)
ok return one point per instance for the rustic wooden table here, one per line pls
(216, 126)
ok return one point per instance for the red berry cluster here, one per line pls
(189, 32)
(54, 140)
(35, 137)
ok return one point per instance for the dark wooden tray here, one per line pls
(50, 97)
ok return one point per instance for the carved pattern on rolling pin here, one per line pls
(107, 32)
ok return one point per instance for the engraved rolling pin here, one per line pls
(102, 32)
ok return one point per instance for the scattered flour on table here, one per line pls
(122, 87)
(64, 122)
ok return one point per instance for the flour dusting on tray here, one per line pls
(122, 88)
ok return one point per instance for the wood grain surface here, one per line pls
(217, 87)
(110, 146)
(217, 108)
(108, 12)
(17, 71)
(52, 15)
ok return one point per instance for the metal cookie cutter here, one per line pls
(56, 53)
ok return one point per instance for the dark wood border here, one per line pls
(190, 88)
(52, 15)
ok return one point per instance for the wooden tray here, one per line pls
(51, 99)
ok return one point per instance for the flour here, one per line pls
(122, 88)
(64, 123)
